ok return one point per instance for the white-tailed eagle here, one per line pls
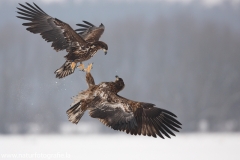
(80, 46)
(119, 113)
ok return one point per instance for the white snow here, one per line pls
(120, 146)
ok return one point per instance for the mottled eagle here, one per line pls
(80, 46)
(119, 113)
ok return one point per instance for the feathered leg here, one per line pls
(89, 78)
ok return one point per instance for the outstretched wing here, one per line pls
(135, 117)
(154, 121)
(89, 32)
(115, 115)
(52, 29)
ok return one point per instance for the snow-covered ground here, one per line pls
(119, 147)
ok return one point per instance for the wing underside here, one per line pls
(113, 115)
(136, 118)
(51, 29)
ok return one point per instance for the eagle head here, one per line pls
(101, 45)
(105, 48)
(119, 84)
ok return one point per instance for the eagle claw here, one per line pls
(81, 66)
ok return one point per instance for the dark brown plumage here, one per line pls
(80, 46)
(119, 113)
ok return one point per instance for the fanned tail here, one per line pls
(75, 113)
(66, 69)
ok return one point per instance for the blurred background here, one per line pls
(180, 55)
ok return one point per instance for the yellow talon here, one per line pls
(89, 67)
(81, 66)
(73, 65)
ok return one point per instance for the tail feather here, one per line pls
(66, 69)
(75, 113)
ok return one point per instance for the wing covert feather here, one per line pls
(113, 115)
(89, 32)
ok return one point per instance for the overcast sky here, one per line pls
(205, 2)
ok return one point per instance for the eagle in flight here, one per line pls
(119, 113)
(81, 44)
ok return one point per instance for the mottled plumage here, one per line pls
(120, 113)
(80, 46)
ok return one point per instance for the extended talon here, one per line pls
(89, 67)
(81, 66)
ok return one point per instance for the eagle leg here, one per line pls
(81, 66)
(89, 78)
(73, 65)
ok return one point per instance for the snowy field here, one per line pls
(118, 147)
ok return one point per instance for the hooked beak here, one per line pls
(105, 51)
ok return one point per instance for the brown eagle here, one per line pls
(80, 46)
(120, 113)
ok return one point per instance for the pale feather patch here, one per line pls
(103, 85)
